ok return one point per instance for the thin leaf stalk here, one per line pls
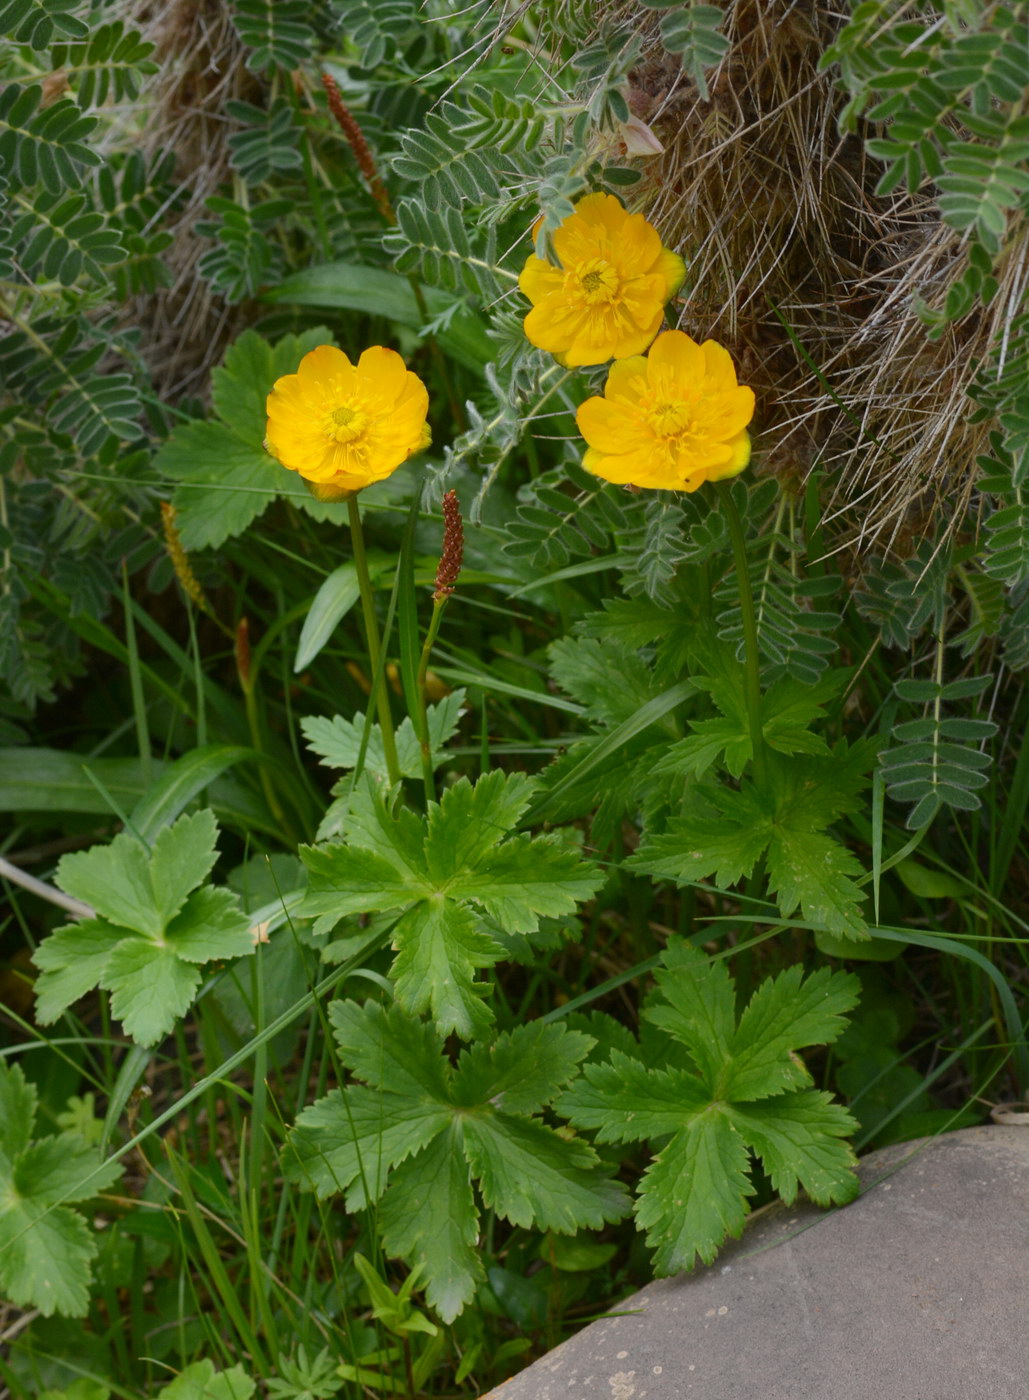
(372, 639)
(752, 657)
(428, 776)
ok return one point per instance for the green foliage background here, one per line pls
(366, 1089)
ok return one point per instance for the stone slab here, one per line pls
(919, 1290)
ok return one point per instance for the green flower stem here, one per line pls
(422, 718)
(753, 659)
(371, 632)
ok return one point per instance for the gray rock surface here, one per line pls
(919, 1290)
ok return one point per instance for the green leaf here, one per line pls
(789, 706)
(332, 602)
(391, 1050)
(815, 872)
(694, 1193)
(150, 988)
(71, 963)
(338, 740)
(439, 948)
(428, 1217)
(454, 876)
(202, 1382)
(45, 1248)
(115, 880)
(225, 483)
(468, 822)
(527, 879)
(711, 738)
(183, 856)
(62, 1169)
(810, 793)
(724, 835)
(787, 1013)
(583, 667)
(697, 1008)
(152, 932)
(350, 1139)
(531, 1176)
(523, 1070)
(79, 1390)
(425, 1137)
(352, 880)
(797, 1136)
(210, 926)
(226, 477)
(17, 1109)
(351, 287)
(624, 1101)
(44, 1257)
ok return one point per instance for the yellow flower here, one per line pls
(672, 419)
(607, 298)
(343, 426)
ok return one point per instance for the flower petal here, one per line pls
(740, 447)
(381, 375)
(627, 379)
(539, 279)
(607, 427)
(718, 365)
(547, 325)
(736, 409)
(322, 364)
(673, 270)
(680, 358)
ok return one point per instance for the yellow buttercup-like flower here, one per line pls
(607, 298)
(343, 426)
(672, 419)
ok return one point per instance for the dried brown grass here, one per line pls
(777, 217)
(201, 67)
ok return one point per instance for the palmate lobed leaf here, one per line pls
(45, 1247)
(154, 928)
(420, 1143)
(744, 1101)
(338, 741)
(452, 877)
(727, 830)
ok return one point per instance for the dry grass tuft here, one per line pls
(776, 215)
(202, 67)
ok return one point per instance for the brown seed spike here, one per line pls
(453, 548)
(348, 124)
(180, 560)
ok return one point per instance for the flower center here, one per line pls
(345, 424)
(671, 420)
(597, 281)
